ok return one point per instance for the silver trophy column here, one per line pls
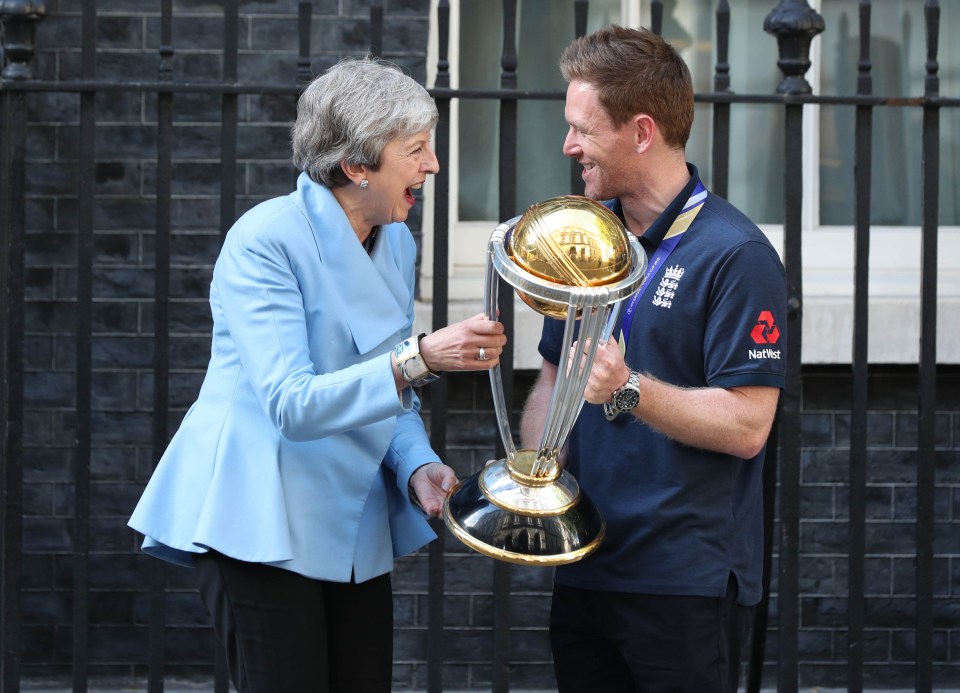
(524, 508)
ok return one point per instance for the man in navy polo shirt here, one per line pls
(680, 401)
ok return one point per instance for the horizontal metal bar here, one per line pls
(81, 86)
(508, 94)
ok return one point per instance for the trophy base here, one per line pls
(522, 485)
(529, 532)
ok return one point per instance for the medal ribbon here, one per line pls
(670, 241)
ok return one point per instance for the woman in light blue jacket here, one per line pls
(295, 477)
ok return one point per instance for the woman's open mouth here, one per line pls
(408, 193)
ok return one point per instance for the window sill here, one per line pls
(828, 256)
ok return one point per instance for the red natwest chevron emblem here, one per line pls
(765, 331)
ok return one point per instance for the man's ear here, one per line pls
(355, 172)
(644, 128)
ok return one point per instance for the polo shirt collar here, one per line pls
(653, 236)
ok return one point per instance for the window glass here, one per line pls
(756, 131)
(756, 163)
(544, 28)
(898, 57)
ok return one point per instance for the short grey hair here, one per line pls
(351, 112)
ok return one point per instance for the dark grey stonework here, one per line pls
(122, 387)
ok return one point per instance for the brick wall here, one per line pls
(122, 388)
(890, 528)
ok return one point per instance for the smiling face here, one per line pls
(404, 167)
(595, 143)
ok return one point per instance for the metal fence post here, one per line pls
(19, 21)
(438, 395)
(794, 24)
(927, 366)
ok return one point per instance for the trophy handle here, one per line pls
(599, 316)
(491, 293)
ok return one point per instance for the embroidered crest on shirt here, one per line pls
(663, 297)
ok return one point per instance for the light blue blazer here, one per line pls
(298, 451)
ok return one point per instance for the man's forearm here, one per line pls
(535, 410)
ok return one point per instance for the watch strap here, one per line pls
(411, 364)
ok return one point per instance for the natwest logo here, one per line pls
(765, 331)
(764, 354)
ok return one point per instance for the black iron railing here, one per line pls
(792, 22)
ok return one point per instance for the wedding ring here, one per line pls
(483, 354)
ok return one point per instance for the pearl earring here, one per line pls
(364, 183)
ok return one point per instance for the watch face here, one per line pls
(415, 366)
(627, 399)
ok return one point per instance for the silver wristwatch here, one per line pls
(411, 364)
(625, 398)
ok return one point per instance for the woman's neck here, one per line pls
(352, 205)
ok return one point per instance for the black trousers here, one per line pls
(615, 642)
(285, 633)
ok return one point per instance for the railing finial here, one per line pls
(19, 19)
(794, 23)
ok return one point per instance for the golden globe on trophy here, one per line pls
(569, 258)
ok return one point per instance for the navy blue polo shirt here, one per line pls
(681, 519)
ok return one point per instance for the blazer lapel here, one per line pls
(370, 290)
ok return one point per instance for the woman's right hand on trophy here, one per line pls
(474, 344)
